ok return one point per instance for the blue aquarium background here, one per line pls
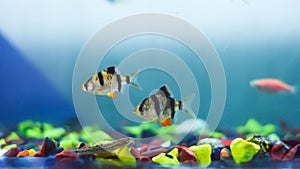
(40, 42)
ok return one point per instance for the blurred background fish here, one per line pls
(108, 82)
(271, 86)
(161, 107)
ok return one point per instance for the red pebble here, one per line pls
(293, 153)
(190, 162)
(136, 153)
(13, 152)
(65, 153)
(180, 148)
(154, 152)
(226, 142)
(144, 159)
(187, 155)
(144, 148)
(279, 150)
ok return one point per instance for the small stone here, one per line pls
(8, 147)
(66, 153)
(187, 155)
(2, 142)
(124, 155)
(28, 124)
(215, 143)
(203, 154)
(174, 152)
(136, 153)
(291, 142)
(69, 144)
(13, 152)
(144, 159)
(23, 153)
(13, 136)
(253, 126)
(218, 135)
(279, 150)
(225, 154)
(54, 132)
(243, 151)
(48, 147)
(215, 155)
(151, 153)
(33, 133)
(293, 153)
(31, 152)
(264, 143)
(28, 146)
(165, 159)
(226, 142)
(65, 158)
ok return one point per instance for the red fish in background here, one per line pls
(271, 86)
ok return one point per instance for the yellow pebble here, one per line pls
(164, 159)
(242, 150)
(174, 152)
(202, 154)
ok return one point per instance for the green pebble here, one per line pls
(47, 126)
(68, 144)
(12, 136)
(243, 151)
(268, 129)
(202, 154)
(8, 147)
(54, 133)
(134, 130)
(251, 126)
(2, 142)
(71, 136)
(166, 160)
(254, 127)
(33, 133)
(92, 136)
(217, 135)
(23, 126)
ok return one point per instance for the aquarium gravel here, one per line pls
(37, 144)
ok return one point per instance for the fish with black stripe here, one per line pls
(162, 107)
(108, 82)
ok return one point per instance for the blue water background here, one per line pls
(40, 88)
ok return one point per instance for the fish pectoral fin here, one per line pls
(166, 122)
(112, 95)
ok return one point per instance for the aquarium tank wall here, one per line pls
(67, 65)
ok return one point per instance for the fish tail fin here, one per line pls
(187, 105)
(133, 80)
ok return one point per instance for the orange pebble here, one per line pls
(23, 153)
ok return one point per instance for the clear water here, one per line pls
(37, 62)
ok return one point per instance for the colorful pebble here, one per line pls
(202, 154)
(243, 151)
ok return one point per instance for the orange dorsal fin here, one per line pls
(167, 122)
(112, 95)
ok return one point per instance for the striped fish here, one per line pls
(162, 107)
(108, 82)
